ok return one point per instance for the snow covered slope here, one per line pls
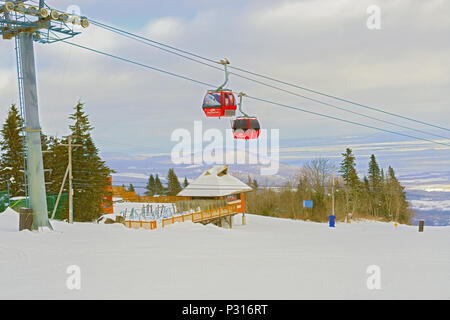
(266, 259)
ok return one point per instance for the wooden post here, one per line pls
(243, 219)
(25, 219)
(60, 192)
(421, 225)
(231, 221)
(70, 181)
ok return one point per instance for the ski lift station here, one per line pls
(216, 183)
(214, 197)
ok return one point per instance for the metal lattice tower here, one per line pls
(27, 23)
(22, 114)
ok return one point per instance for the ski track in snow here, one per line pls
(268, 258)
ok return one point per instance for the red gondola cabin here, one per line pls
(219, 104)
(246, 128)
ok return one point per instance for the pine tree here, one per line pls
(185, 183)
(131, 188)
(399, 207)
(348, 169)
(374, 174)
(375, 186)
(249, 180)
(90, 174)
(352, 187)
(150, 187)
(159, 189)
(255, 184)
(12, 158)
(173, 184)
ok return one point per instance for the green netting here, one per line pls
(51, 201)
(4, 200)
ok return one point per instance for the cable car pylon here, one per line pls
(26, 25)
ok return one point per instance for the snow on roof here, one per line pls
(214, 182)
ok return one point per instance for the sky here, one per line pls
(404, 67)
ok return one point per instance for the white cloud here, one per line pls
(164, 28)
(320, 44)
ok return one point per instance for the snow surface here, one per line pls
(268, 258)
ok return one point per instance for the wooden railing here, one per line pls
(150, 225)
(203, 215)
(194, 217)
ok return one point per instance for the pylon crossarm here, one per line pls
(19, 17)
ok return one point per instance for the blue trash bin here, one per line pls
(332, 221)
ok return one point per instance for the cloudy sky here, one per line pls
(322, 44)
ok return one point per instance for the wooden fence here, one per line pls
(149, 225)
(194, 217)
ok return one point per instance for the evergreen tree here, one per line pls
(150, 187)
(57, 161)
(185, 183)
(12, 158)
(255, 184)
(159, 189)
(90, 174)
(399, 208)
(375, 186)
(348, 169)
(352, 188)
(173, 184)
(131, 188)
(374, 174)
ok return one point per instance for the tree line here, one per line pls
(378, 195)
(155, 187)
(90, 173)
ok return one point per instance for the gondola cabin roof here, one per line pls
(215, 182)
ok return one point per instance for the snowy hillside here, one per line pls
(266, 259)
